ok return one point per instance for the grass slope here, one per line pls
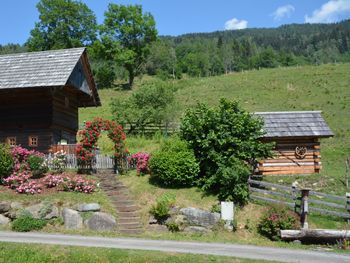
(325, 87)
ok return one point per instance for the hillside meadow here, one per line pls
(324, 87)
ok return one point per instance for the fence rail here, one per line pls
(317, 202)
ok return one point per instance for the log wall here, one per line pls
(285, 160)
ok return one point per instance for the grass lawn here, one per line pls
(325, 87)
(14, 253)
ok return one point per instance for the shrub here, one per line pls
(6, 161)
(30, 187)
(27, 223)
(78, 184)
(37, 165)
(161, 210)
(141, 160)
(173, 226)
(275, 219)
(52, 180)
(226, 143)
(59, 161)
(174, 164)
(16, 179)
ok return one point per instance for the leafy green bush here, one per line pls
(174, 164)
(226, 143)
(27, 223)
(161, 210)
(6, 161)
(275, 219)
(173, 226)
(37, 165)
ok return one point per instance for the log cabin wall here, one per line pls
(65, 116)
(24, 114)
(287, 161)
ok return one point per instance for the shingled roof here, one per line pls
(54, 68)
(294, 124)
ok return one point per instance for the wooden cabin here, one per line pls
(40, 93)
(297, 136)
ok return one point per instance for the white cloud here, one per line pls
(329, 12)
(283, 11)
(234, 23)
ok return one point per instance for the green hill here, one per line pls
(325, 87)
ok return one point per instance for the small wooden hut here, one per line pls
(40, 93)
(297, 136)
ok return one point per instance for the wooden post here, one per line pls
(348, 205)
(294, 196)
(304, 208)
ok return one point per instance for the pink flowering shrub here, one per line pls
(78, 184)
(275, 219)
(16, 179)
(20, 157)
(140, 159)
(52, 180)
(30, 187)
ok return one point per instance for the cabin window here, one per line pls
(11, 141)
(33, 141)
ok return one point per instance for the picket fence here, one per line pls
(101, 162)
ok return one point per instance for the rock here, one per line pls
(174, 210)
(152, 220)
(101, 221)
(4, 207)
(228, 225)
(92, 207)
(196, 229)
(72, 219)
(195, 216)
(4, 220)
(16, 205)
(43, 210)
(296, 241)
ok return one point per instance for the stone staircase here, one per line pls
(128, 221)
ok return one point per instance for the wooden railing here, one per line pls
(321, 203)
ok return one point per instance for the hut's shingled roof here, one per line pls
(38, 69)
(294, 124)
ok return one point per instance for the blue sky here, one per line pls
(175, 17)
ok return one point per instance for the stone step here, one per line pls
(129, 220)
(125, 202)
(127, 214)
(129, 208)
(129, 225)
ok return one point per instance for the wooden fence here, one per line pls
(101, 161)
(317, 202)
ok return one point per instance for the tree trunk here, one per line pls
(315, 235)
(131, 78)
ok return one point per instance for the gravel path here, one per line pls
(220, 249)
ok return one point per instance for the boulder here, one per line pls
(16, 206)
(198, 217)
(4, 207)
(4, 220)
(196, 229)
(92, 207)
(72, 219)
(152, 220)
(101, 221)
(43, 211)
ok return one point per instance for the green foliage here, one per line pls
(6, 161)
(172, 226)
(174, 164)
(62, 24)
(27, 223)
(153, 103)
(127, 33)
(37, 165)
(226, 143)
(275, 219)
(104, 74)
(161, 210)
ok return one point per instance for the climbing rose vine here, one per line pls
(88, 141)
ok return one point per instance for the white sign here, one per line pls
(227, 211)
